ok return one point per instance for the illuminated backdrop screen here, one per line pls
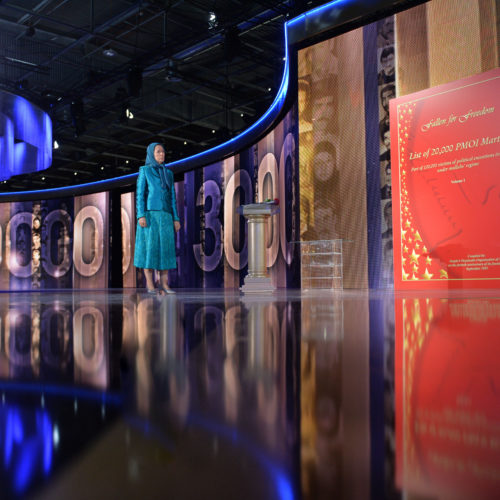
(65, 243)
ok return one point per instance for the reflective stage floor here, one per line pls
(209, 394)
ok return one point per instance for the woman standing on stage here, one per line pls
(157, 218)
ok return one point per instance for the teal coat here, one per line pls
(151, 195)
(155, 200)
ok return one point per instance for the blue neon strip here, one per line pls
(282, 480)
(317, 11)
(61, 390)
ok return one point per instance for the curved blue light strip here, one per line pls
(316, 11)
(62, 390)
(281, 479)
(224, 149)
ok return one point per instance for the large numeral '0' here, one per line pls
(96, 243)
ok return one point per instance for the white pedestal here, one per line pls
(257, 214)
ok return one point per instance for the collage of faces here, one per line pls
(386, 91)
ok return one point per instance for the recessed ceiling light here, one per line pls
(109, 52)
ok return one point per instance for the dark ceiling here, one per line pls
(188, 83)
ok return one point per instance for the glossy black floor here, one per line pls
(210, 394)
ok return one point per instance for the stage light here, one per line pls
(102, 168)
(109, 52)
(129, 114)
(185, 143)
(213, 131)
(56, 144)
(74, 173)
(172, 73)
(212, 20)
(43, 178)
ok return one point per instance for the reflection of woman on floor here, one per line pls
(157, 219)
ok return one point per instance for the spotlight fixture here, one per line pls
(212, 20)
(56, 144)
(129, 114)
(109, 52)
(172, 74)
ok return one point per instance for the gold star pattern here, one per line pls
(414, 252)
(427, 275)
(414, 257)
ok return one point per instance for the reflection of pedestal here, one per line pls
(257, 214)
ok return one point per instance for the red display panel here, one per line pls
(446, 185)
(447, 401)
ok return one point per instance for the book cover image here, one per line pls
(446, 185)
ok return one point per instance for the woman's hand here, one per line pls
(177, 225)
(143, 222)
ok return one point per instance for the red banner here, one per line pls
(446, 185)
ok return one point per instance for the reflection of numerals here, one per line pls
(268, 188)
(88, 333)
(240, 179)
(287, 151)
(209, 316)
(91, 246)
(18, 244)
(212, 223)
(18, 341)
(57, 269)
(54, 341)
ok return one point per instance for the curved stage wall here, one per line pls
(66, 243)
(327, 158)
(25, 137)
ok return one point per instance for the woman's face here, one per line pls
(159, 154)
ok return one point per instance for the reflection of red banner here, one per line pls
(446, 189)
(447, 399)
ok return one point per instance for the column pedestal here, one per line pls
(257, 214)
